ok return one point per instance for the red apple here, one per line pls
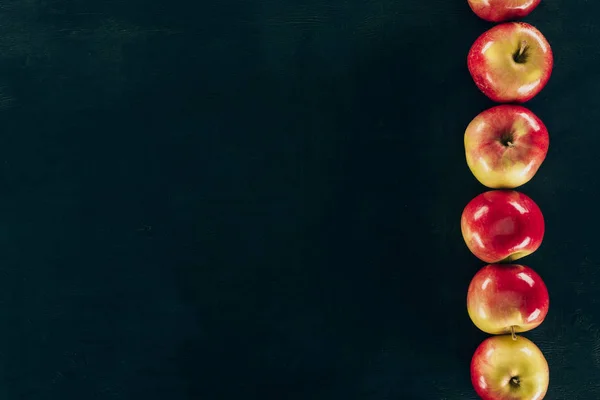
(511, 62)
(505, 146)
(507, 298)
(502, 10)
(502, 226)
(504, 368)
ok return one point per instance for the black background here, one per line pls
(261, 199)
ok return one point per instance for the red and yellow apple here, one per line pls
(507, 298)
(502, 226)
(505, 146)
(504, 368)
(502, 10)
(511, 62)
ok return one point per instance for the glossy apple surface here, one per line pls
(505, 146)
(511, 62)
(502, 226)
(505, 298)
(502, 10)
(507, 369)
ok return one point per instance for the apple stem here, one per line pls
(520, 56)
(523, 47)
(507, 139)
(512, 332)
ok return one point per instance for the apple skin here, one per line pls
(505, 298)
(511, 62)
(502, 226)
(505, 146)
(502, 10)
(503, 368)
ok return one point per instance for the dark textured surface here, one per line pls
(261, 199)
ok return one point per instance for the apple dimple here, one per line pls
(521, 54)
(514, 381)
(515, 256)
(507, 139)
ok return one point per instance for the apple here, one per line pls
(505, 146)
(509, 368)
(502, 10)
(507, 298)
(511, 62)
(502, 226)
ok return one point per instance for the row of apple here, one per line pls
(505, 146)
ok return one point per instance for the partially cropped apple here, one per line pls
(504, 368)
(505, 146)
(511, 62)
(502, 10)
(506, 299)
(502, 226)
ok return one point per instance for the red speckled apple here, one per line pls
(505, 146)
(511, 62)
(502, 10)
(507, 298)
(502, 226)
(504, 368)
